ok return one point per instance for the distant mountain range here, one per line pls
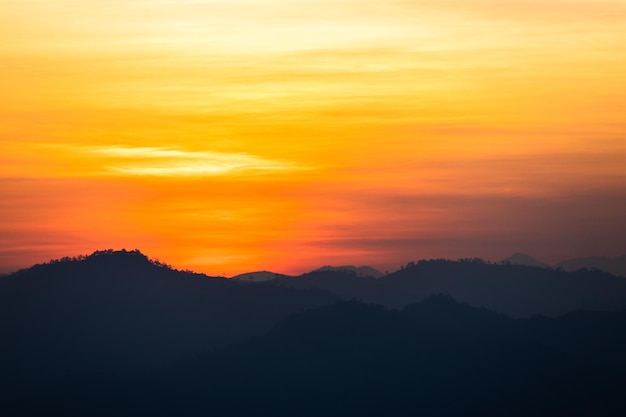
(264, 276)
(360, 271)
(115, 333)
(615, 266)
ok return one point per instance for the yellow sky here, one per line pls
(228, 136)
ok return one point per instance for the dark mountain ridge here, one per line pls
(120, 310)
(516, 290)
(436, 358)
(512, 289)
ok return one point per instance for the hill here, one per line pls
(516, 290)
(118, 310)
(523, 259)
(436, 358)
(615, 266)
(258, 276)
(360, 271)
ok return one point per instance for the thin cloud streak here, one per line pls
(155, 161)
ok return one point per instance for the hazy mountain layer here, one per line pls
(437, 358)
(360, 271)
(615, 266)
(511, 289)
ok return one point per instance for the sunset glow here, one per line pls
(228, 136)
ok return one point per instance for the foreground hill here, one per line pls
(436, 358)
(120, 311)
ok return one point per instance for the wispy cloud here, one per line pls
(158, 161)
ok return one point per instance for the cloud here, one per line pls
(158, 161)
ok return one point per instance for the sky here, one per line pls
(227, 136)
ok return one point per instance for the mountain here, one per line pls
(523, 259)
(360, 271)
(118, 310)
(436, 358)
(115, 333)
(347, 285)
(615, 266)
(515, 290)
(259, 276)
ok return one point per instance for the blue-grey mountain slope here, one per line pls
(514, 290)
(360, 271)
(436, 358)
(615, 266)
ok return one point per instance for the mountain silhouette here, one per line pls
(514, 290)
(258, 276)
(360, 271)
(436, 358)
(615, 266)
(345, 284)
(117, 310)
(115, 333)
(523, 259)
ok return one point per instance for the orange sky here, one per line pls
(229, 136)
